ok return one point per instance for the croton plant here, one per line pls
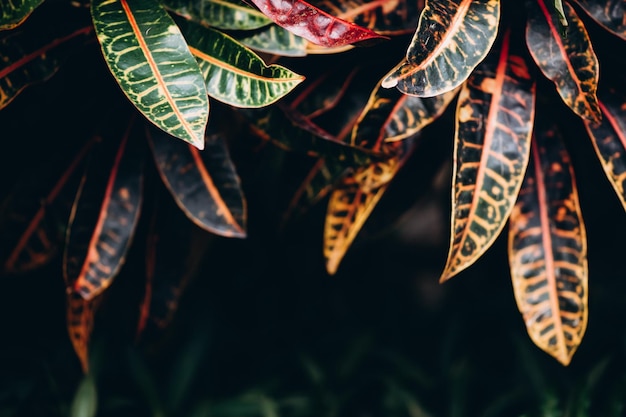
(359, 116)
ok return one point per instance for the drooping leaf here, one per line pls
(494, 122)
(221, 14)
(568, 61)
(275, 40)
(104, 216)
(204, 185)
(151, 62)
(14, 12)
(29, 236)
(234, 74)
(453, 36)
(609, 141)
(313, 24)
(80, 318)
(608, 13)
(27, 58)
(548, 251)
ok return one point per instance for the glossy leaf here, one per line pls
(608, 13)
(80, 319)
(494, 122)
(204, 185)
(27, 58)
(234, 74)
(221, 14)
(453, 37)
(104, 217)
(29, 235)
(275, 40)
(548, 251)
(14, 12)
(568, 61)
(313, 24)
(609, 141)
(151, 62)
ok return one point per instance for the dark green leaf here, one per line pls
(275, 40)
(222, 14)
(14, 12)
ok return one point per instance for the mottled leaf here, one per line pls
(14, 12)
(30, 57)
(204, 185)
(221, 14)
(80, 318)
(104, 216)
(453, 37)
(568, 60)
(608, 13)
(313, 24)
(548, 251)
(151, 62)
(234, 74)
(609, 140)
(275, 40)
(494, 122)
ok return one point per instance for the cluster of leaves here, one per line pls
(359, 124)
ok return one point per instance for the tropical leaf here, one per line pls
(30, 57)
(609, 141)
(568, 61)
(495, 116)
(453, 36)
(234, 74)
(151, 62)
(275, 40)
(104, 217)
(80, 319)
(608, 13)
(14, 12)
(221, 14)
(313, 24)
(204, 185)
(29, 235)
(548, 251)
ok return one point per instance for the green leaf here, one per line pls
(453, 37)
(234, 74)
(151, 62)
(15, 12)
(276, 40)
(222, 14)
(85, 403)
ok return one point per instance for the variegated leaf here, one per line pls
(222, 14)
(80, 320)
(608, 13)
(15, 12)
(275, 40)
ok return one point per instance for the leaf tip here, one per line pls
(389, 82)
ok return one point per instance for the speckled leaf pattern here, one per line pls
(80, 319)
(275, 40)
(221, 14)
(151, 62)
(313, 24)
(204, 185)
(611, 14)
(26, 58)
(494, 122)
(104, 216)
(14, 12)
(548, 251)
(609, 140)
(387, 17)
(569, 61)
(234, 74)
(453, 37)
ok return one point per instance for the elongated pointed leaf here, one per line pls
(608, 13)
(29, 236)
(27, 58)
(313, 24)
(453, 37)
(548, 251)
(151, 62)
(80, 319)
(275, 40)
(14, 12)
(234, 74)
(609, 141)
(495, 116)
(222, 14)
(104, 217)
(568, 61)
(204, 185)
